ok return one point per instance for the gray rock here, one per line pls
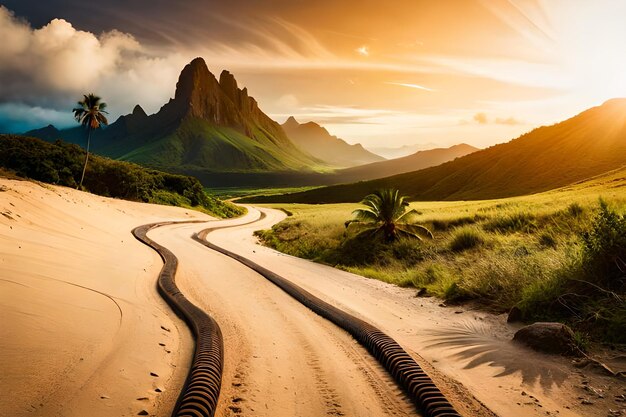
(554, 338)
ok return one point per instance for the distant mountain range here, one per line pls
(589, 144)
(215, 131)
(316, 140)
(418, 160)
(209, 126)
(399, 152)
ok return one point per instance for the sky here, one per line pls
(384, 74)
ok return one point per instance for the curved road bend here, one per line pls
(394, 310)
(281, 359)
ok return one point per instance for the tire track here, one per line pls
(402, 367)
(201, 390)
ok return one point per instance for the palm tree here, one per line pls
(386, 213)
(90, 113)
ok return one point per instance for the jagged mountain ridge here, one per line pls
(209, 125)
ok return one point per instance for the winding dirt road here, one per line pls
(281, 359)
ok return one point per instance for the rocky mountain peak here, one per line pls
(229, 85)
(291, 122)
(139, 112)
(194, 78)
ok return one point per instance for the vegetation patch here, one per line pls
(556, 256)
(511, 223)
(61, 163)
(466, 238)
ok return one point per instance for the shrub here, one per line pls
(575, 210)
(588, 291)
(442, 225)
(604, 249)
(548, 240)
(466, 238)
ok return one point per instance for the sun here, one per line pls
(363, 50)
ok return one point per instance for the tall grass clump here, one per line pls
(466, 238)
(590, 290)
(515, 222)
(575, 210)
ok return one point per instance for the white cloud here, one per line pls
(287, 102)
(54, 65)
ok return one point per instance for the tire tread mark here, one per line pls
(408, 374)
(202, 387)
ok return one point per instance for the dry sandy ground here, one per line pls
(454, 343)
(281, 359)
(80, 326)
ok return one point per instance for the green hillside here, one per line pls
(209, 125)
(548, 157)
(61, 163)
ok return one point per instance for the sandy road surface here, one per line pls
(80, 317)
(281, 359)
(451, 343)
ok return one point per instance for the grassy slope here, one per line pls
(501, 252)
(198, 144)
(589, 144)
(410, 163)
(61, 163)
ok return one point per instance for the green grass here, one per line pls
(228, 193)
(523, 251)
(61, 163)
(466, 238)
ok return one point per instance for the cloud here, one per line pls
(51, 67)
(416, 86)
(481, 118)
(287, 102)
(18, 118)
(363, 50)
(508, 121)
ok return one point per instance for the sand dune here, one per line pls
(81, 318)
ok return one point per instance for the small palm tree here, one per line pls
(386, 213)
(90, 113)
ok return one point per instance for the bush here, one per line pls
(575, 210)
(61, 163)
(589, 290)
(466, 238)
(548, 240)
(441, 225)
(604, 249)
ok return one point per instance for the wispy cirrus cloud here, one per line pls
(415, 86)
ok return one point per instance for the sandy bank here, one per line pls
(82, 322)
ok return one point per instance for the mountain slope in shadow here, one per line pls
(589, 144)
